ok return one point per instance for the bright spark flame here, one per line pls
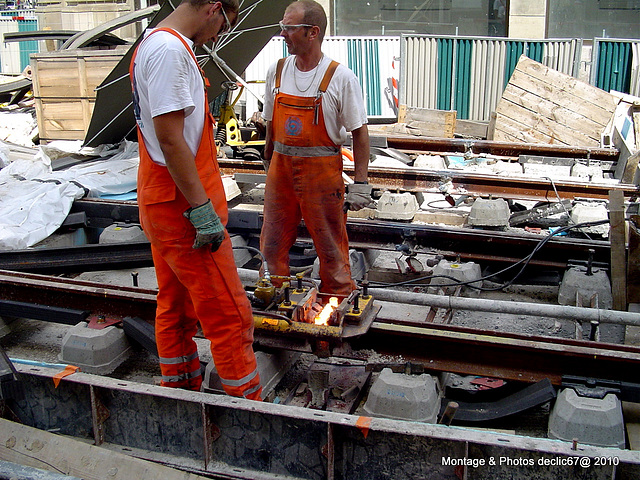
(323, 317)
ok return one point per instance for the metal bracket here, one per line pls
(99, 415)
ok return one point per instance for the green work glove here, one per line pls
(358, 196)
(209, 228)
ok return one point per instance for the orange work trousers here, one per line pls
(195, 286)
(305, 182)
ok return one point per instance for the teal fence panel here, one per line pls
(613, 70)
(363, 60)
(535, 51)
(513, 52)
(30, 46)
(445, 73)
(463, 77)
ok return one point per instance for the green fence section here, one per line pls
(30, 46)
(463, 78)
(512, 55)
(445, 73)
(614, 66)
(364, 61)
(535, 51)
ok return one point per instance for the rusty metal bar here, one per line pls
(501, 355)
(415, 180)
(438, 347)
(500, 148)
(62, 292)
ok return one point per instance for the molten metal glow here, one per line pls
(323, 317)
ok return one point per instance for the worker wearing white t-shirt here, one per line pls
(311, 102)
(183, 208)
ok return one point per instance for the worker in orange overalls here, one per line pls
(310, 104)
(183, 206)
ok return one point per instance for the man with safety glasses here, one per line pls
(311, 102)
(183, 208)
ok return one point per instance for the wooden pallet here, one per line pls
(542, 105)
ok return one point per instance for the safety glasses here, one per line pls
(227, 24)
(291, 28)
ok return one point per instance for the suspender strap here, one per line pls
(327, 76)
(325, 80)
(279, 68)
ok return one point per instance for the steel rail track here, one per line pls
(485, 246)
(507, 187)
(438, 347)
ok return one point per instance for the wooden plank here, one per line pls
(549, 109)
(617, 237)
(36, 448)
(563, 82)
(531, 129)
(471, 128)
(509, 130)
(65, 89)
(62, 119)
(491, 128)
(568, 99)
(632, 424)
(430, 122)
(541, 105)
(545, 129)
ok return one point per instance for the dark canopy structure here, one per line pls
(113, 120)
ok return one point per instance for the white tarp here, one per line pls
(34, 200)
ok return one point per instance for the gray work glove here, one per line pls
(358, 196)
(209, 228)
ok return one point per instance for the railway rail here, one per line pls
(436, 347)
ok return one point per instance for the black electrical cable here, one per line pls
(525, 261)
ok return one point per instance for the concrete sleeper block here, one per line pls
(403, 397)
(95, 351)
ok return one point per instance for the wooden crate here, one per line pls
(64, 84)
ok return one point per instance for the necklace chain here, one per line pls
(295, 81)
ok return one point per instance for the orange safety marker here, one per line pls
(363, 423)
(347, 153)
(68, 370)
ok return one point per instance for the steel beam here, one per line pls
(415, 180)
(236, 438)
(438, 347)
(104, 256)
(485, 246)
(512, 149)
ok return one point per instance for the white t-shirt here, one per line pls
(167, 79)
(342, 103)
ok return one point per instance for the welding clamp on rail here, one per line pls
(209, 228)
(358, 196)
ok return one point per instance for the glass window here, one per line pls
(594, 18)
(434, 17)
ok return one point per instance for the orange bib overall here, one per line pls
(195, 285)
(305, 182)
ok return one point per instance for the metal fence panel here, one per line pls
(472, 72)
(613, 63)
(372, 59)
